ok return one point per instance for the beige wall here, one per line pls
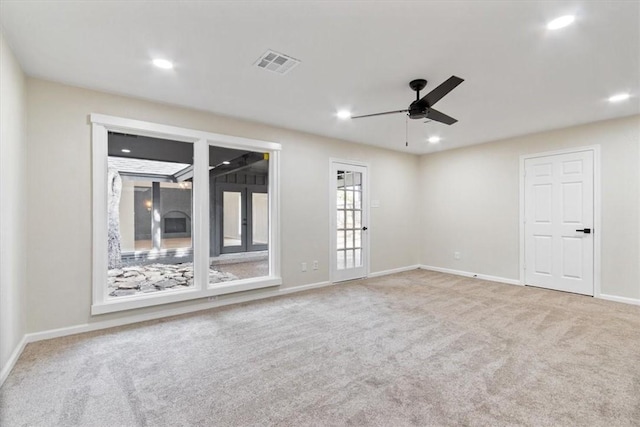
(13, 179)
(430, 206)
(470, 202)
(59, 243)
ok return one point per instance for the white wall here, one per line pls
(470, 203)
(59, 243)
(13, 228)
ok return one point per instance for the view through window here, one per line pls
(151, 216)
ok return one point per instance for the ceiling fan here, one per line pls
(421, 108)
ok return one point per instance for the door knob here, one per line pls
(585, 231)
(364, 228)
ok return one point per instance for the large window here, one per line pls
(180, 214)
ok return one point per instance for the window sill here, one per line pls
(149, 300)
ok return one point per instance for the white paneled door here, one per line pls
(349, 242)
(559, 219)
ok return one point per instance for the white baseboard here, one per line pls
(473, 275)
(4, 373)
(105, 324)
(394, 271)
(94, 326)
(632, 301)
(625, 300)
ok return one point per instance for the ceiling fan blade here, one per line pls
(436, 95)
(440, 117)
(379, 114)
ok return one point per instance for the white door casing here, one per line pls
(558, 202)
(349, 213)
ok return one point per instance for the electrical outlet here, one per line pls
(315, 264)
(456, 255)
(303, 266)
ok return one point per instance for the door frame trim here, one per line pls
(218, 236)
(597, 208)
(332, 216)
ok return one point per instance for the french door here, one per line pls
(243, 218)
(349, 221)
(559, 219)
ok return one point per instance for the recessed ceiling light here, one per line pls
(226, 163)
(619, 97)
(561, 22)
(126, 150)
(434, 139)
(163, 63)
(344, 114)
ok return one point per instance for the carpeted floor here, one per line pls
(416, 348)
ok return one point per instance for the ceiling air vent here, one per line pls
(276, 62)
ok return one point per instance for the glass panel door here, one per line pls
(349, 248)
(258, 220)
(234, 221)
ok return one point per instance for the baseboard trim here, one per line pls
(15, 355)
(105, 324)
(394, 270)
(472, 275)
(632, 301)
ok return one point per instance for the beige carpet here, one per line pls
(417, 348)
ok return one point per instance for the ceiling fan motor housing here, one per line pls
(417, 111)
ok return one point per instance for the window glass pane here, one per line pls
(357, 200)
(340, 260)
(135, 220)
(349, 259)
(349, 241)
(357, 223)
(238, 215)
(349, 219)
(358, 257)
(340, 222)
(349, 200)
(341, 198)
(149, 202)
(260, 218)
(358, 238)
(340, 241)
(176, 200)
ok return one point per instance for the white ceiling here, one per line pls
(519, 76)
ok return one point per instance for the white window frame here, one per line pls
(100, 126)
